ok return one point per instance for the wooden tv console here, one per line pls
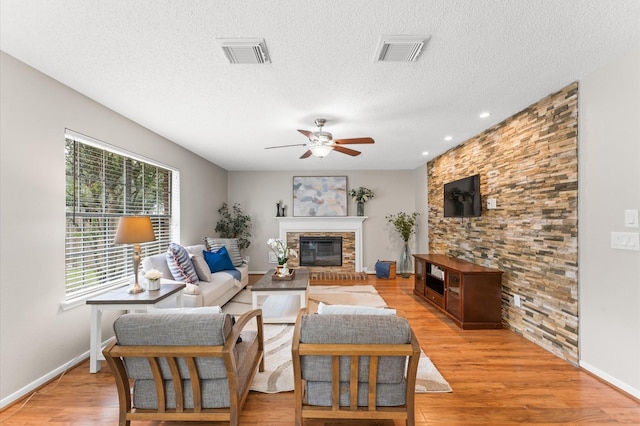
(468, 293)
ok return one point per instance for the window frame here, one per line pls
(114, 266)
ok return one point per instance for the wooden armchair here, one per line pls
(354, 367)
(184, 366)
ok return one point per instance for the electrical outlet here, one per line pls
(517, 301)
(492, 203)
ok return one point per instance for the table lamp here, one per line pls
(135, 230)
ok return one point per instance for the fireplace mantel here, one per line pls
(325, 224)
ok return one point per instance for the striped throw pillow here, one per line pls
(215, 244)
(180, 264)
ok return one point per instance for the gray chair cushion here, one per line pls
(215, 392)
(388, 394)
(359, 329)
(175, 329)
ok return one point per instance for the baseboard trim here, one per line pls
(610, 380)
(40, 382)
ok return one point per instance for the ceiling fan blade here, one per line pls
(342, 149)
(285, 146)
(353, 141)
(306, 154)
(306, 133)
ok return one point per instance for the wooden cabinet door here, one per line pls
(453, 297)
(419, 277)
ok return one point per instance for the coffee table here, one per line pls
(121, 300)
(281, 300)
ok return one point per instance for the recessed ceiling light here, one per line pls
(448, 138)
(485, 114)
(425, 152)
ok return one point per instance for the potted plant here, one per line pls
(361, 196)
(234, 224)
(282, 252)
(405, 224)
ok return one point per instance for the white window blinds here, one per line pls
(103, 184)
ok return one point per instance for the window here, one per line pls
(102, 184)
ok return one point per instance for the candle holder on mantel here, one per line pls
(281, 210)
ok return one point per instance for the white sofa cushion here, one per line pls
(158, 262)
(204, 293)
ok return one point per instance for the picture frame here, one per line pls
(319, 196)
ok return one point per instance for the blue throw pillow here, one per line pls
(218, 260)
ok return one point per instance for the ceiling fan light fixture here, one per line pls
(320, 151)
(400, 48)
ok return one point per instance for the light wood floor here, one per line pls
(497, 378)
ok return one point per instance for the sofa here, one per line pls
(209, 288)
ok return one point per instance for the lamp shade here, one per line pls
(321, 151)
(134, 229)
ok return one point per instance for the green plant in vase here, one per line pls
(361, 196)
(405, 224)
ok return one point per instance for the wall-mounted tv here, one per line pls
(462, 197)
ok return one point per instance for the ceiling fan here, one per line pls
(322, 143)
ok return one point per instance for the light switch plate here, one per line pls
(492, 203)
(631, 218)
(625, 241)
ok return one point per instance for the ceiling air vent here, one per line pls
(400, 48)
(245, 50)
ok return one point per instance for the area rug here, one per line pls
(278, 374)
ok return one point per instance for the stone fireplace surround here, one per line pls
(347, 227)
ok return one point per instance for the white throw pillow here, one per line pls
(353, 310)
(202, 269)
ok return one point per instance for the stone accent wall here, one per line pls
(348, 250)
(529, 163)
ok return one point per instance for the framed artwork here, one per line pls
(319, 196)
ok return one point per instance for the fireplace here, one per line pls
(291, 228)
(320, 251)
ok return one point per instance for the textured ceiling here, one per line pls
(159, 64)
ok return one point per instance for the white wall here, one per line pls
(421, 196)
(395, 190)
(609, 183)
(36, 337)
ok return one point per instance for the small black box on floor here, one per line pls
(386, 269)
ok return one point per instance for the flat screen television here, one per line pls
(462, 197)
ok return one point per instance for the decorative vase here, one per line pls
(153, 285)
(284, 270)
(405, 261)
(360, 208)
(278, 210)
